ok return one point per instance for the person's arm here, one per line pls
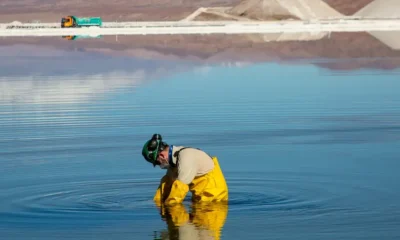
(187, 169)
(164, 187)
(177, 194)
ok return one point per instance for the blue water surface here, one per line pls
(308, 153)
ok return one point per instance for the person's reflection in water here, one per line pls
(204, 222)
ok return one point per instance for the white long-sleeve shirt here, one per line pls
(192, 163)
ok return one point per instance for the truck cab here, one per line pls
(68, 21)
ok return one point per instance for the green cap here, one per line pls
(151, 149)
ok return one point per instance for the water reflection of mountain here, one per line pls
(47, 69)
(28, 60)
(213, 49)
(44, 75)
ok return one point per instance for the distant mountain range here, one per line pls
(127, 9)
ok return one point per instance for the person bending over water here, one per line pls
(188, 169)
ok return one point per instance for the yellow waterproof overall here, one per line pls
(206, 188)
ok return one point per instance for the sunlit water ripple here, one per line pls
(284, 194)
(301, 163)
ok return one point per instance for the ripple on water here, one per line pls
(72, 199)
(307, 196)
(131, 198)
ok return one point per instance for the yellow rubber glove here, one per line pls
(177, 193)
(163, 190)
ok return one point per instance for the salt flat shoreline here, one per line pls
(204, 27)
